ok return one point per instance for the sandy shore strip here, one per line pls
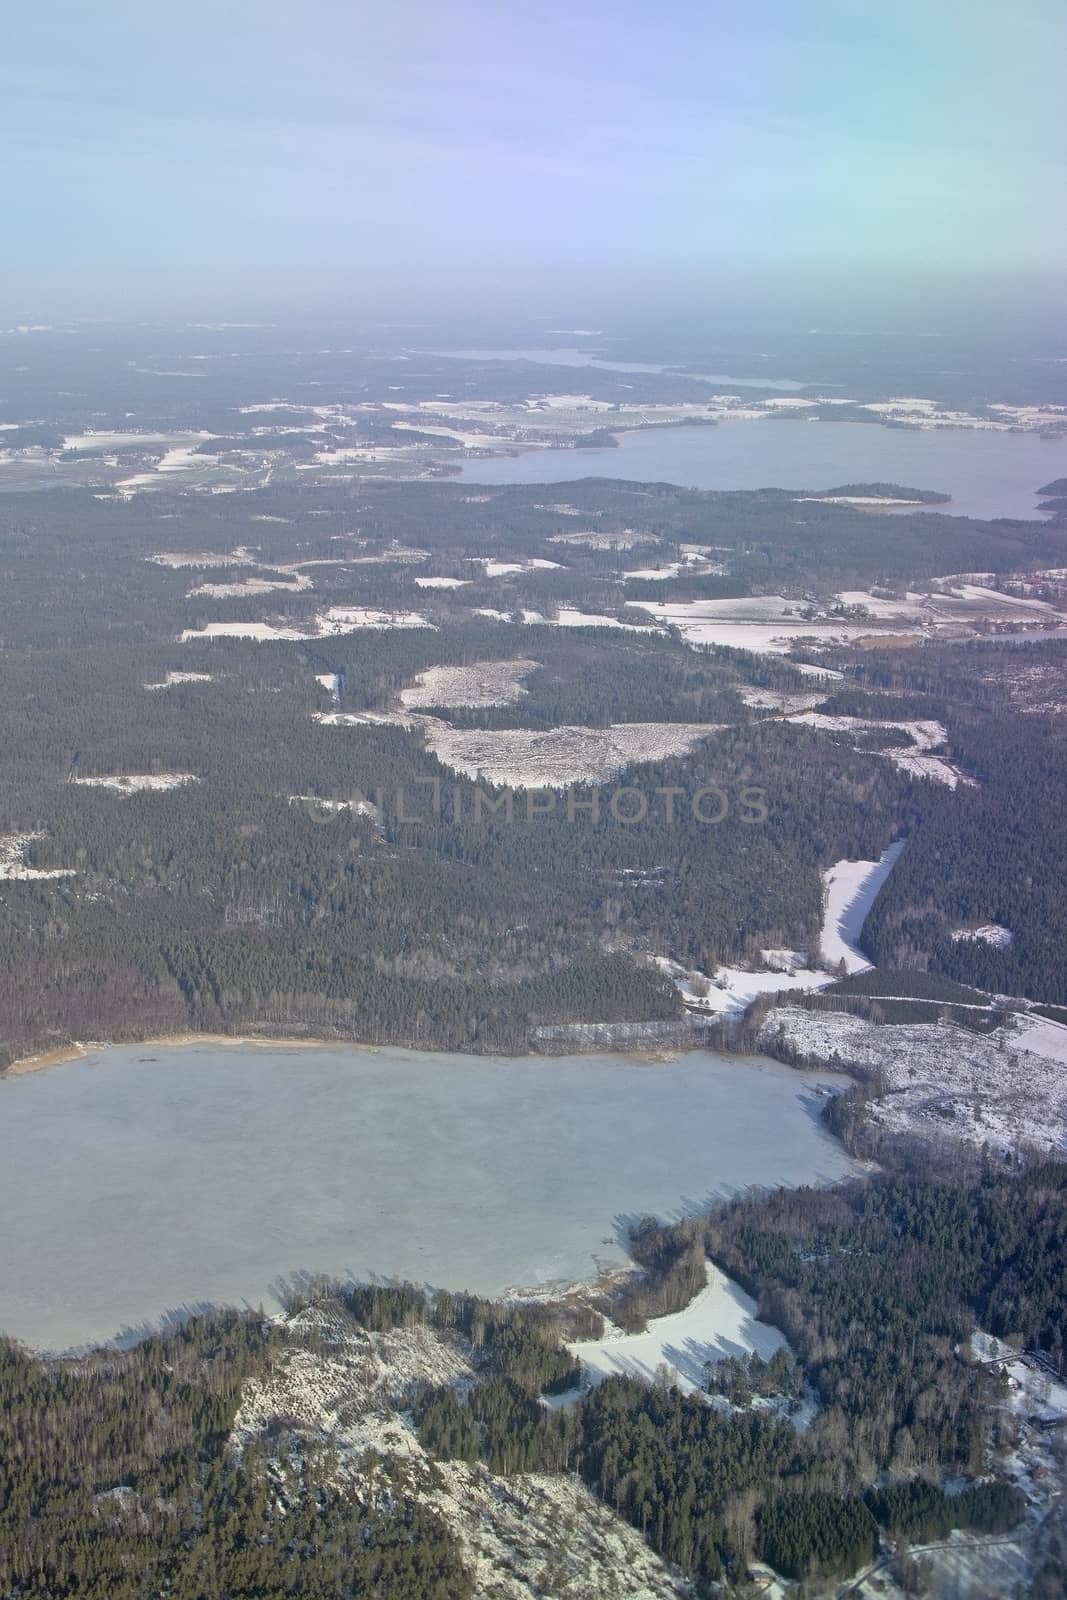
(81, 1050)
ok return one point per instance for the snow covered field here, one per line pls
(720, 1321)
(849, 891)
(350, 1393)
(851, 888)
(523, 758)
(1006, 1089)
(172, 678)
(482, 683)
(13, 868)
(139, 782)
(338, 619)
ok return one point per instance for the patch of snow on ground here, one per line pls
(351, 1393)
(346, 619)
(523, 758)
(850, 889)
(331, 682)
(441, 583)
(13, 868)
(720, 1321)
(731, 990)
(173, 678)
(482, 683)
(990, 933)
(250, 586)
(788, 701)
(139, 782)
(1005, 1089)
(245, 630)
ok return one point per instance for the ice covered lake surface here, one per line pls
(142, 1181)
(987, 474)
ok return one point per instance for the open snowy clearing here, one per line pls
(13, 868)
(788, 701)
(990, 933)
(482, 683)
(523, 758)
(250, 586)
(699, 622)
(850, 889)
(351, 1393)
(720, 1321)
(919, 738)
(260, 631)
(441, 583)
(177, 559)
(139, 782)
(338, 619)
(1005, 1089)
(173, 678)
(729, 991)
(503, 569)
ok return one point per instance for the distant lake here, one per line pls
(142, 1180)
(987, 474)
(583, 358)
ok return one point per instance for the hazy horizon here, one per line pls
(535, 163)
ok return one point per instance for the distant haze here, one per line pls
(536, 158)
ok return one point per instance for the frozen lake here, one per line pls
(987, 474)
(141, 1180)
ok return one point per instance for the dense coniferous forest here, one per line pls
(239, 903)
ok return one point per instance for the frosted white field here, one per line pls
(338, 619)
(785, 700)
(766, 625)
(13, 866)
(117, 439)
(850, 890)
(729, 991)
(441, 583)
(260, 631)
(524, 758)
(720, 1321)
(991, 933)
(915, 758)
(481, 683)
(139, 782)
(172, 679)
(1004, 1089)
(145, 1178)
(504, 569)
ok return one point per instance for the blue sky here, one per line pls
(281, 149)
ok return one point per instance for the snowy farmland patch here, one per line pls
(350, 1391)
(766, 625)
(850, 889)
(918, 739)
(523, 758)
(172, 678)
(939, 1081)
(441, 583)
(139, 782)
(788, 701)
(729, 991)
(990, 933)
(260, 631)
(346, 619)
(250, 586)
(719, 1321)
(13, 868)
(482, 683)
(177, 559)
